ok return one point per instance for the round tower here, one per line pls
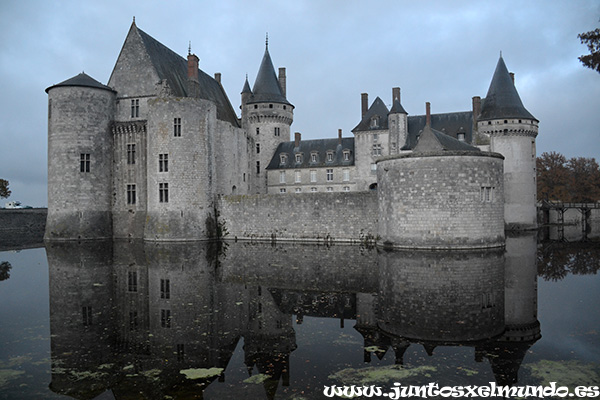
(512, 131)
(267, 117)
(80, 112)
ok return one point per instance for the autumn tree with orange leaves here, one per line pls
(575, 180)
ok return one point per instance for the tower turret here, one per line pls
(80, 113)
(512, 131)
(267, 116)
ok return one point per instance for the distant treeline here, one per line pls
(576, 180)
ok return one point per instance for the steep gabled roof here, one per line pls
(83, 80)
(266, 87)
(319, 146)
(432, 140)
(377, 109)
(502, 100)
(171, 67)
(450, 124)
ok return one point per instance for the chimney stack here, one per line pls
(428, 114)
(395, 94)
(364, 102)
(297, 139)
(218, 77)
(339, 136)
(476, 109)
(282, 80)
(512, 77)
(193, 67)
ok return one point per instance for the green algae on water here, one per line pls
(7, 375)
(260, 378)
(374, 375)
(566, 373)
(198, 373)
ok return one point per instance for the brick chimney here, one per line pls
(476, 109)
(218, 77)
(364, 103)
(395, 94)
(193, 67)
(428, 114)
(297, 137)
(282, 80)
(339, 136)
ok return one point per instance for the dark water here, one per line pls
(257, 321)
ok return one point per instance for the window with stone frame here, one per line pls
(345, 174)
(329, 175)
(163, 162)
(297, 176)
(330, 156)
(313, 175)
(165, 288)
(131, 195)
(376, 149)
(135, 108)
(281, 176)
(84, 162)
(163, 192)
(314, 157)
(346, 155)
(177, 127)
(131, 154)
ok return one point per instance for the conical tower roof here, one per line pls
(266, 87)
(246, 88)
(502, 100)
(397, 108)
(81, 79)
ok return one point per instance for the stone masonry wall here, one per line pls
(311, 217)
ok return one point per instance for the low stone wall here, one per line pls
(310, 217)
(22, 227)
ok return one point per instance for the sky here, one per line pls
(438, 51)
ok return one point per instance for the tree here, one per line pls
(552, 177)
(592, 40)
(4, 192)
(584, 179)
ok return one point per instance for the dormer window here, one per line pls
(313, 157)
(283, 159)
(298, 158)
(375, 121)
(346, 155)
(329, 156)
(461, 136)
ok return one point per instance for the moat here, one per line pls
(262, 321)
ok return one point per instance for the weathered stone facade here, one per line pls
(159, 153)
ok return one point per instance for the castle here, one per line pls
(159, 153)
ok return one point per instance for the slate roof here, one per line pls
(83, 80)
(397, 108)
(378, 108)
(307, 147)
(449, 123)
(266, 87)
(432, 140)
(502, 100)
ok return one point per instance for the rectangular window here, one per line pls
(257, 148)
(330, 156)
(282, 190)
(375, 136)
(313, 189)
(313, 176)
(282, 159)
(180, 352)
(163, 162)
(135, 108)
(298, 176)
(86, 313)
(257, 167)
(84, 162)
(130, 194)
(346, 175)
(329, 175)
(133, 320)
(276, 131)
(373, 167)
(298, 158)
(313, 157)
(346, 156)
(281, 176)
(131, 154)
(165, 288)
(487, 193)
(132, 281)
(163, 192)
(377, 149)
(257, 131)
(298, 190)
(177, 127)
(329, 189)
(165, 318)
(346, 188)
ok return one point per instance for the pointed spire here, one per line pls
(246, 88)
(502, 99)
(266, 87)
(267, 41)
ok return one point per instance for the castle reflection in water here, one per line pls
(122, 309)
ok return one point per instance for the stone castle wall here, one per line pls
(318, 217)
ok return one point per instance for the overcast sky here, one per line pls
(444, 52)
